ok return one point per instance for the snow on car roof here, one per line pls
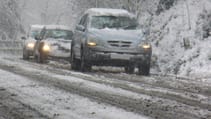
(108, 12)
(57, 27)
(36, 26)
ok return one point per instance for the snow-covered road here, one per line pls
(52, 102)
(62, 93)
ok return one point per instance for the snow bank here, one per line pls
(10, 47)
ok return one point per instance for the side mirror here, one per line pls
(37, 37)
(23, 38)
(146, 31)
(80, 28)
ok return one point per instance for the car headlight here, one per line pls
(46, 48)
(94, 41)
(30, 45)
(91, 43)
(210, 32)
(146, 46)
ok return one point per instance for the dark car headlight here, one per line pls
(46, 48)
(30, 45)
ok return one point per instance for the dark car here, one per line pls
(29, 41)
(110, 37)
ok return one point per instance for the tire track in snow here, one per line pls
(149, 106)
(11, 108)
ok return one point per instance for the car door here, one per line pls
(79, 36)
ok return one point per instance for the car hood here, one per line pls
(59, 47)
(30, 40)
(115, 34)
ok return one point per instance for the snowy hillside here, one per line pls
(179, 47)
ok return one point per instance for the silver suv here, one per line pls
(110, 37)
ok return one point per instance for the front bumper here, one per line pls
(116, 58)
(28, 51)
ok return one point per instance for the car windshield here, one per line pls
(113, 22)
(34, 33)
(57, 34)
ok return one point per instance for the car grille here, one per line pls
(123, 44)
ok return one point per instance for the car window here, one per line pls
(34, 33)
(59, 34)
(42, 33)
(117, 22)
(83, 20)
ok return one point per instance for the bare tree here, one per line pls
(188, 12)
(10, 18)
(96, 3)
(133, 6)
(44, 14)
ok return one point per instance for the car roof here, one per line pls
(57, 27)
(108, 12)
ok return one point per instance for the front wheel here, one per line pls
(129, 69)
(25, 55)
(144, 69)
(75, 63)
(205, 33)
(84, 64)
(41, 58)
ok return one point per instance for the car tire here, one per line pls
(25, 55)
(144, 69)
(205, 34)
(85, 67)
(41, 58)
(38, 59)
(129, 69)
(75, 63)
